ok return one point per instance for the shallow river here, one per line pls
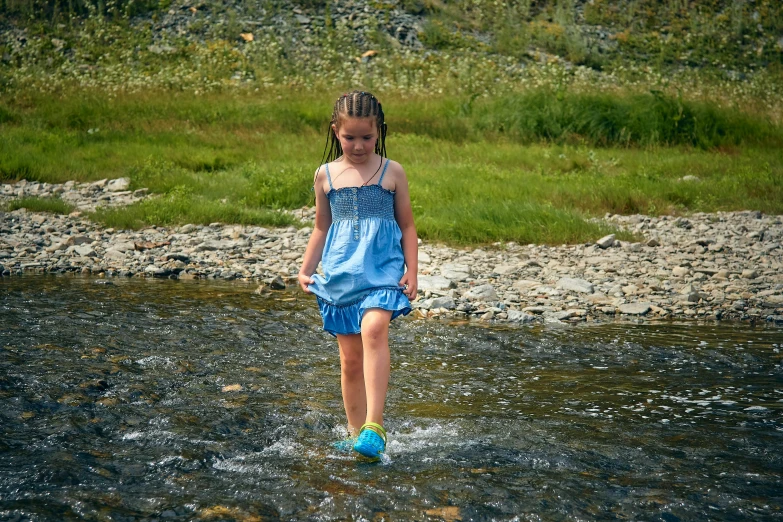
(150, 399)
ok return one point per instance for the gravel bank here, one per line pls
(726, 265)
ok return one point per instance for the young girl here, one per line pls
(365, 238)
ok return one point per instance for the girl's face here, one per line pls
(357, 137)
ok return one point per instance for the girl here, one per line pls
(365, 238)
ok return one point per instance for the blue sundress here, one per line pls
(362, 261)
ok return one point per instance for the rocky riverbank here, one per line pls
(727, 265)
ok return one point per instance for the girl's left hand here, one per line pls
(410, 284)
(305, 281)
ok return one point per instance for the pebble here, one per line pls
(669, 274)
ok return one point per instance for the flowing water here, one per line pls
(149, 399)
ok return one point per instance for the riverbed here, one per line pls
(141, 399)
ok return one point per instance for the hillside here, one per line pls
(723, 51)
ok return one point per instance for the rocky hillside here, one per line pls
(734, 38)
(733, 34)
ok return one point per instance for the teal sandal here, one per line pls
(372, 441)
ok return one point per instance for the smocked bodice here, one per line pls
(355, 203)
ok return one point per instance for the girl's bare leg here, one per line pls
(375, 338)
(352, 380)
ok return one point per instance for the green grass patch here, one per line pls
(532, 167)
(608, 120)
(180, 207)
(86, 136)
(35, 204)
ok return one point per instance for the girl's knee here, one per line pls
(375, 326)
(351, 358)
(351, 363)
(374, 334)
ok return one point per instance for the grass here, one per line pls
(530, 168)
(480, 192)
(36, 204)
(88, 136)
(178, 207)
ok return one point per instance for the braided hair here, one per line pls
(355, 104)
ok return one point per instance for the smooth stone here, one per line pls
(552, 320)
(537, 309)
(635, 308)
(575, 285)
(176, 257)
(606, 241)
(114, 255)
(486, 292)
(277, 283)
(598, 260)
(560, 316)
(446, 302)
(520, 317)
(156, 271)
(488, 316)
(78, 240)
(423, 304)
(214, 244)
(504, 269)
(123, 246)
(688, 289)
(84, 250)
(680, 271)
(525, 285)
(117, 185)
(774, 300)
(455, 271)
(424, 257)
(749, 273)
(598, 298)
(434, 283)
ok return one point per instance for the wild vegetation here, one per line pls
(516, 120)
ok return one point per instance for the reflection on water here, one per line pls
(146, 399)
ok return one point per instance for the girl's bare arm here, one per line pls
(403, 213)
(315, 246)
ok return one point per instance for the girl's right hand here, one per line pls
(304, 281)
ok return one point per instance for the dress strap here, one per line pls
(383, 173)
(329, 178)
